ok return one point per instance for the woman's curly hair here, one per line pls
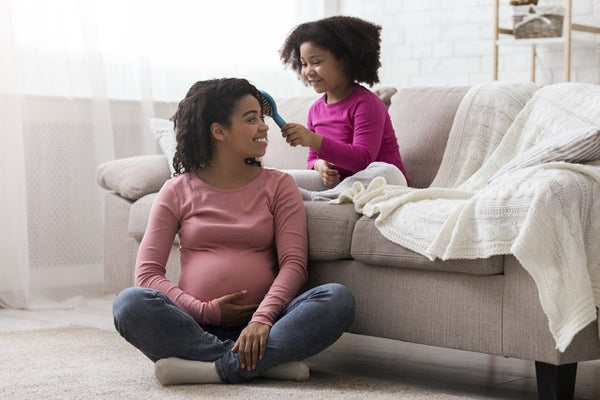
(205, 103)
(353, 40)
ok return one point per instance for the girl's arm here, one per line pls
(369, 118)
(154, 252)
(291, 243)
(312, 155)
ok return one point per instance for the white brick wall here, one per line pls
(449, 42)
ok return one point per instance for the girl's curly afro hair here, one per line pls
(353, 40)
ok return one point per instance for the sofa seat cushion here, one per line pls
(138, 217)
(371, 247)
(329, 227)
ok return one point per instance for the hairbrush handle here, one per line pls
(270, 108)
(278, 120)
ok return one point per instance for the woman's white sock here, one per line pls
(177, 371)
(293, 370)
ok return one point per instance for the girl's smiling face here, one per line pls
(324, 72)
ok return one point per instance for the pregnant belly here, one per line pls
(207, 276)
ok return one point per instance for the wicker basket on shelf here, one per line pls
(537, 21)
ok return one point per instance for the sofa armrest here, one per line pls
(134, 177)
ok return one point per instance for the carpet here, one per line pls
(85, 363)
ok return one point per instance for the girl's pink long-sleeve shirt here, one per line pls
(252, 238)
(356, 132)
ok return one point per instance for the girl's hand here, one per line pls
(329, 175)
(251, 345)
(297, 134)
(232, 314)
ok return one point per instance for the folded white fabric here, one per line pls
(574, 147)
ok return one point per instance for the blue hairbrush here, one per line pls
(269, 108)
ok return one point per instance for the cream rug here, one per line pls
(90, 363)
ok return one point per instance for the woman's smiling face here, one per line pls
(247, 131)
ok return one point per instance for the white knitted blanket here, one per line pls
(504, 187)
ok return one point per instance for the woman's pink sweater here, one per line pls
(253, 238)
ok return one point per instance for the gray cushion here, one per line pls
(138, 216)
(422, 118)
(330, 229)
(371, 247)
(279, 153)
(134, 177)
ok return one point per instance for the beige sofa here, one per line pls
(485, 305)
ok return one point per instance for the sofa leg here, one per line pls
(555, 382)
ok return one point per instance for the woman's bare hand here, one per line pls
(232, 314)
(251, 345)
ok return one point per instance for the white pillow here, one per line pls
(574, 147)
(164, 132)
(133, 177)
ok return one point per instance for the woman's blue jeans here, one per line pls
(310, 323)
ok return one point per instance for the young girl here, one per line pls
(235, 313)
(348, 127)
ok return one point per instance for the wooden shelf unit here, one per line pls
(566, 40)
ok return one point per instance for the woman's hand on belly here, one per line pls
(232, 314)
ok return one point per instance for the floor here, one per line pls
(473, 375)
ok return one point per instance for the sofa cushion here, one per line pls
(330, 228)
(422, 118)
(279, 153)
(371, 247)
(133, 177)
(138, 216)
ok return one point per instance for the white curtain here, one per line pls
(78, 79)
